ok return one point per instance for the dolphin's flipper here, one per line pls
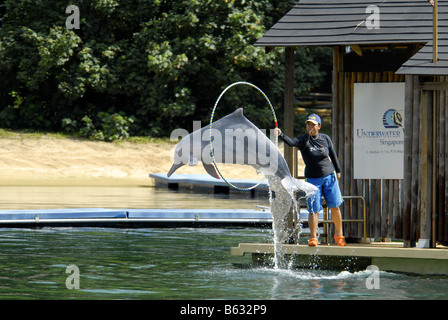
(211, 170)
(174, 167)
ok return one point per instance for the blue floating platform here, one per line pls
(204, 182)
(137, 218)
(57, 214)
(133, 218)
(221, 216)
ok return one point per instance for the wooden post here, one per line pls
(335, 95)
(408, 161)
(435, 128)
(289, 128)
(289, 105)
(426, 169)
(442, 207)
(443, 235)
(416, 163)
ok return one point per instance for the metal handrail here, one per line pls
(364, 229)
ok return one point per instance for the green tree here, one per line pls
(141, 67)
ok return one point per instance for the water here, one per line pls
(55, 197)
(175, 264)
(180, 263)
(281, 206)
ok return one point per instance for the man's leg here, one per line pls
(337, 220)
(313, 219)
(334, 200)
(314, 204)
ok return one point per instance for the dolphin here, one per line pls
(236, 140)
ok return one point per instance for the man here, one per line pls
(322, 170)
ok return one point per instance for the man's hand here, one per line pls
(277, 131)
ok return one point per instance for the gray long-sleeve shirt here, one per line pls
(318, 153)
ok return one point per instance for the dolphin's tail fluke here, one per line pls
(291, 184)
(211, 170)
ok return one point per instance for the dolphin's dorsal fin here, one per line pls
(238, 112)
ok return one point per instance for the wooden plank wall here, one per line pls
(411, 191)
(440, 122)
(425, 185)
(398, 209)
(383, 197)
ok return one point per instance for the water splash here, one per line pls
(281, 205)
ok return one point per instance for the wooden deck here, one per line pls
(389, 256)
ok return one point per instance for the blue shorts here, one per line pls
(329, 187)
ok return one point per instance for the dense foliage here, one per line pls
(141, 67)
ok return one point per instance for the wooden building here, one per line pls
(382, 41)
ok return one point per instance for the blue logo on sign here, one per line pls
(392, 119)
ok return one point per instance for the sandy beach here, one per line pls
(45, 159)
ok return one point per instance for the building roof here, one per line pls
(421, 63)
(349, 22)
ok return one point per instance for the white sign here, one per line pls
(378, 130)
